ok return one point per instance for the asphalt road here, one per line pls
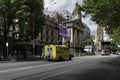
(79, 68)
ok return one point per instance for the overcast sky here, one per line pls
(60, 5)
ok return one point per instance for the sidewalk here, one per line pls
(30, 58)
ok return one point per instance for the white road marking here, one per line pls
(53, 75)
(23, 68)
(38, 66)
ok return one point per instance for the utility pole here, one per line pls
(33, 34)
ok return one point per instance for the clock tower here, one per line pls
(76, 12)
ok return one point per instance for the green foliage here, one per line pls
(89, 40)
(113, 47)
(116, 36)
(31, 18)
(119, 49)
(106, 47)
(28, 12)
(106, 13)
(79, 7)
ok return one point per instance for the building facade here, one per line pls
(75, 30)
(76, 33)
(49, 33)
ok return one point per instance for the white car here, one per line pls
(105, 52)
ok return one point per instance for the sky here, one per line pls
(61, 5)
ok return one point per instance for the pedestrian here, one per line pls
(117, 52)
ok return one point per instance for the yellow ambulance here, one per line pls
(56, 52)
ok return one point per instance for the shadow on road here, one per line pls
(113, 62)
(31, 58)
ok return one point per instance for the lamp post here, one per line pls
(14, 35)
(7, 48)
(33, 34)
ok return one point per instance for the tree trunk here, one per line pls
(4, 46)
(5, 39)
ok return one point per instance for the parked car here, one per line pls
(105, 52)
(117, 52)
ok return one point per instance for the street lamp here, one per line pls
(33, 34)
(14, 35)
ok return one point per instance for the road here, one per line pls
(79, 68)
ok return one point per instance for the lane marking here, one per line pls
(39, 66)
(95, 62)
(50, 76)
(28, 67)
(16, 63)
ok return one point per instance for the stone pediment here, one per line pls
(75, 24)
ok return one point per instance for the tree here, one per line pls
(89, 40)
(116, 36)
(31, 16)
(28, 12)
(104, 12)
(113, 47)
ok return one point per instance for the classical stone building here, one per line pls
(76, 30)
(49, 34)
(76, 33)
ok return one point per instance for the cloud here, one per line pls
(70, 8)
(80, 1)
(59, 5)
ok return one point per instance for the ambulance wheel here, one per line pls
(60, 58)
(70, 58)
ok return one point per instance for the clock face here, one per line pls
(76, 16)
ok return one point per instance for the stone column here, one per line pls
(71, 35)
(44, 34)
